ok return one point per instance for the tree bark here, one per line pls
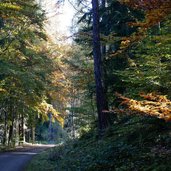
(100, 96)
(11, 127)
(33, 134)
(5, 129)
(21, 130)
(103, 56)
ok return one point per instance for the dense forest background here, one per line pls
(106, 93)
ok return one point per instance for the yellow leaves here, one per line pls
(2, 90)
(9, 6)
(44, 109)
(155, 10)
(125, 43)
(61, 87)
(56, 115)
(154, 105)
(155, 97)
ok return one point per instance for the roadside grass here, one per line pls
(133, 143)
(41, 162)
(6, 148)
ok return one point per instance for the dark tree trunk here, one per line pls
(5, 129)
(103, 56)
(10, 134)
(11, 127)
(100, 96)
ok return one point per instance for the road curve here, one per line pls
(18, 159)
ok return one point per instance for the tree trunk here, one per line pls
(33, 134)
(103, 56)
(11, 127)
(5, 129)
(100, 96)
(72, 119)
(21, 130)
(17, 139)
(10, 134)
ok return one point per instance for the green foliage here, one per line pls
(81, 107)
(48, 133)
(25, 79)
(132, 143)
(149, 62)
(114, 19)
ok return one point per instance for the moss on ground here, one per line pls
(131, 144)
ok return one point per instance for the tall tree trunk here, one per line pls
(103, 56)
(17, 140)
(11, 127)
(33, 134)
(5, 129)
(11, 132)
(100, 96)
(21, 130)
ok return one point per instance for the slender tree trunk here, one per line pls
(21, 130)
(11, 128)
(5, 128)
(33, 134)
(100, 96)
(17, 140)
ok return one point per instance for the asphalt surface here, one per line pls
(18, 159)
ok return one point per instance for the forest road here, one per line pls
(18, 159)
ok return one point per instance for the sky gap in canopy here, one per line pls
(59, 18)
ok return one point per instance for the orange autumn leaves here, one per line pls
(154, 105)
(155, 11)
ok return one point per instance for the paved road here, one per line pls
(18, 159)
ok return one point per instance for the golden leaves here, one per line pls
(44, 109)
(155, 10)
(2, 90)
(10, 6)
(154, 105)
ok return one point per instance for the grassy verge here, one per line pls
(41, 162)
(131, 144)
(6, 148)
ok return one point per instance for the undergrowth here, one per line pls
(131, 144)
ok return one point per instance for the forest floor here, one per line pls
(133, 143)
(16, 160)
